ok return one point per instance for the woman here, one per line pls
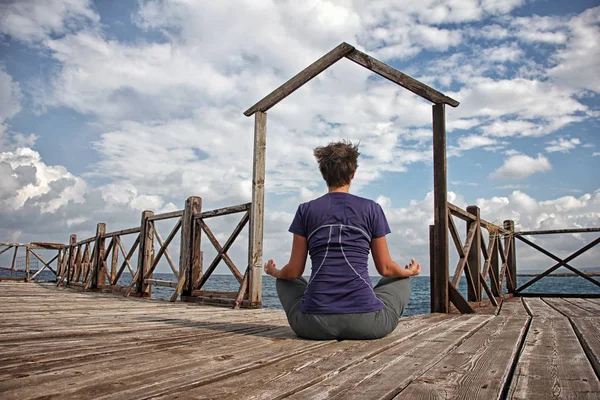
(338, 230)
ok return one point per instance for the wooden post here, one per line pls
(494, 267)
(440, 274)
(71, 262)
(146, 254)
(474, 257)
(14, 259)
(257, 211)
(59, 265)
(27, 262)
(431, 263)
(114, 261)
(99, 272)
(509, 240)
(190, 261)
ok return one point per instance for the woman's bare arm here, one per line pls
(386, 266)
(295, 267)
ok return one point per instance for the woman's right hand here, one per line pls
(271, 269)
(414, 267)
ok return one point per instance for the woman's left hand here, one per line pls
(270, 269)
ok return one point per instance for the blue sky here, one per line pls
(109, 108)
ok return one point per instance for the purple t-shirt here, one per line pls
(339, 228)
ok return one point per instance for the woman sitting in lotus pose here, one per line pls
(338, 230)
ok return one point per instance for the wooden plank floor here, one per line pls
(61, 343)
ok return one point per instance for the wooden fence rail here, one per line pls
(480, 277)
(560, 261)
(241, 296)
(499, 261)
(32, 249)
(101, 262)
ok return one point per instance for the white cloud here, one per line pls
(10, 105)
(435, 38)
(512, 186)
(563, 145)
(596, 154)
(521, 166)
(471, 142)
(10, 96)
(31, 20)
(462, 124)
(31, 180)
(523, 97)
(500, 6)
(540, 29)
(577, 63)
(493, 32)
(503, 54)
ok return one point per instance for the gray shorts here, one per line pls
(393, 292)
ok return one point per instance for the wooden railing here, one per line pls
(486, 266)
(560, 261)
(198, 280)
(32, 249)
(487, 276)
(85, 263)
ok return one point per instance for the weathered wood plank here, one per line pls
(169, 367)
(224, 211)
(553, 364)
(145, 256)
(159, 337)
(512, 306)
(459, 301)
(585, 304)
(568, 309)
(473, 268)
(6, 249)
(480, 368)
(14, 258)
(157, 282)
(401, 79)
(439, 269)
(555, 231)
(587, 330)
(387, 373)
(589, 304)
(167, 215)
(300, 79)
(121, 232)
(303, 371)
(193, 206)
(257, 211)
(538, 308)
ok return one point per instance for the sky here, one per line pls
(110, 108)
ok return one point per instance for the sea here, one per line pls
(419, 298)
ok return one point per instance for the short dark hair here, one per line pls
(337, 162)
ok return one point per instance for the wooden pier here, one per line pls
(68, 344)
(95, 334)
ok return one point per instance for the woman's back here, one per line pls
(339, 228)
